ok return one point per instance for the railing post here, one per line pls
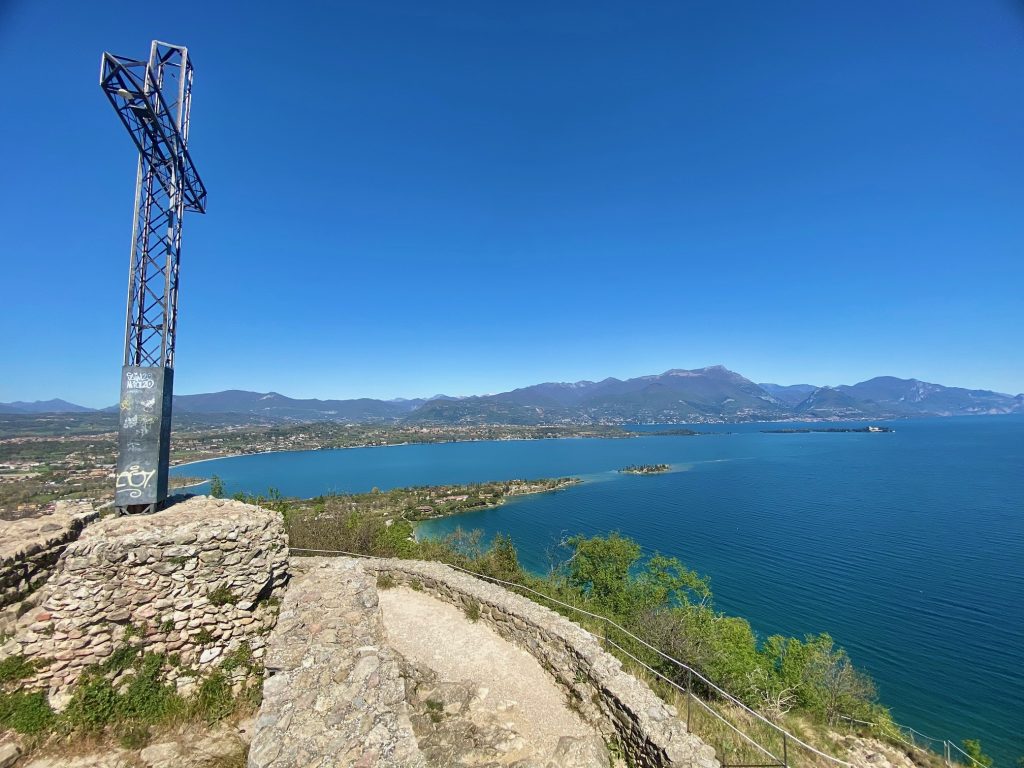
(689, 696)
(785, 753)
(945, 750)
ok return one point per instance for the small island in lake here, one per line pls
(645, 469)
(805, 430)
(670, 433)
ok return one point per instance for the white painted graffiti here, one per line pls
(144, 424)
(139, 380)
(134, 480)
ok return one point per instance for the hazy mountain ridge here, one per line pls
(790, 394)
(43, 406)
(703, 395)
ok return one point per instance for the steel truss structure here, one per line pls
(153, 99)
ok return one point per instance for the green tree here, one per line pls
(670, 583)
(216, 487)
(821, 675)
(599, 569)
(973, 749)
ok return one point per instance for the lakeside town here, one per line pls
(41, 464)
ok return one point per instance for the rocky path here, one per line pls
(334, 695)
(476, 699)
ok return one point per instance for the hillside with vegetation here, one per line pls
(808, 685)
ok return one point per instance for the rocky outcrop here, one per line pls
(334, 694)
(194, 581)
(866, 752)
(29, 550)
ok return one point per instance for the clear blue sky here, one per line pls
(409, 198)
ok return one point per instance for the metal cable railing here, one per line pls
(900, 730)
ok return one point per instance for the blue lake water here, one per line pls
(907, 547)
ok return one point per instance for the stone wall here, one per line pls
(334, 693)
(195, 580)
(612, 700)
(29, 550)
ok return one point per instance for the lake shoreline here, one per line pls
(683, 431)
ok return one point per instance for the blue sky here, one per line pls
(413, 198)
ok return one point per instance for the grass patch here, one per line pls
(204, 637)
(17, 668)
(129, 709)
(222, 596)
(472, 610)
(385, 581)
(240, 657)
(214, 700)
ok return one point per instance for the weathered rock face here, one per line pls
(29, 550)
(193, 580)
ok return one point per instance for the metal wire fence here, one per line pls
(743, 737)
(950, 751)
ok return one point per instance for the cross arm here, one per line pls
(130, 86)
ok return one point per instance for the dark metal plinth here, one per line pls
(144, 440)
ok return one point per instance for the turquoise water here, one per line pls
(907, 547)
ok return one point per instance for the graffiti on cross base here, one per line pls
(134, 481)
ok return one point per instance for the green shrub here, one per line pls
(94, 703)
(472, 610)
(148, 698)
(25, 712)
(121, 659)
(973, 748)
(385, 581)
(15, 668)
(240, 657)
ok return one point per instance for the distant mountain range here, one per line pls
(705, 395)
(43, 406)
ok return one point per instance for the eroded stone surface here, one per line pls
(476, 698)
(872, 753)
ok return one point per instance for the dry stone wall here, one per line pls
(196, 581)
(612, 700)
(29, 550)
(334, 693)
